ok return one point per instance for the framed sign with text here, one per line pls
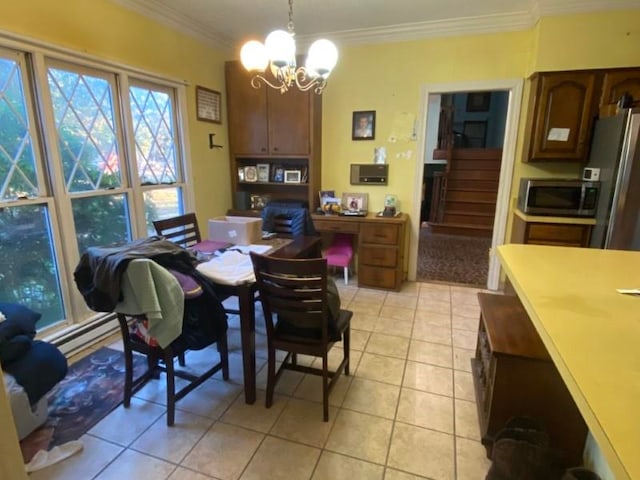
(208, 105)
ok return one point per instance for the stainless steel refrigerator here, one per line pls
(615, 150)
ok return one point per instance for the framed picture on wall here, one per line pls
(363, 126)
(475, 133)
(208, 105)
(478, 101)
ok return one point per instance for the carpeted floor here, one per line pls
(92, 388)
(453, 259)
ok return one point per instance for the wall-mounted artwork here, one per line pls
(363, 126)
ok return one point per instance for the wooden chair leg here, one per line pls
(223, 349)
(271, 377)
(128, 375)
(181, 360)
(346, 347)
(171, 390)
(325, 387)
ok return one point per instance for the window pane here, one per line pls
(83, 111)
(101, 220)
(161, 203)
(17, 162)
(154, 135)
(29, 274)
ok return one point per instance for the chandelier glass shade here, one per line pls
(277, 56)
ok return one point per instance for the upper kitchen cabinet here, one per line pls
(560, 115)
(616, 84)
(264, 121)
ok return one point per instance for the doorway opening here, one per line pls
(460, 184)
(476, 134)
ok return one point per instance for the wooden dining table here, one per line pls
(296, 247)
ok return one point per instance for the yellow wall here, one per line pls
(108, 31)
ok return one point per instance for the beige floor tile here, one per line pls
(431, 333)
(311, 389)
(173, 443)
(302, 421)
(426, 287)
(424, 317)
(132, 464)
(381, 368)
(364, 307)
(466, 419)
(138, 417)
(336, 355)
(86, 464)
(397, 313)
(465, 323)
(281, 460)
(367, 295)
(224, 451)
(287, 383)
(430, 304)
(368, 396)
(466, 310)
(346, 292)
(256, 416)
(399, 300)
(464, 338)
(462, 358)
(429, 378)
(365, 321)
(463, 386)
(426, 410)
(333, 466)
(388, 345)
(182, 473)
(467, 297)
(211, 399)
(408, 288)
(359, 339)
(390, 326)
(433, 353)
(361, 436)
(436, 458)
(236, 371)
(471, 459)
(391, 474)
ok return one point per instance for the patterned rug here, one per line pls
(453, 258)
(93, 387)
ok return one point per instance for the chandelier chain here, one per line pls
(290, 24)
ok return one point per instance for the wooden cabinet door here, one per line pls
(246, 111)
(616, 83)
(289, 122)
(561, 115)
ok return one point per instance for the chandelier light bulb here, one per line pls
(253, 56)
(322, 57)
(281, 48)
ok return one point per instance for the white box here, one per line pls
(236, 230)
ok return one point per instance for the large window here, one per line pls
(94, 164)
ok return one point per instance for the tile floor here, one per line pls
(407, 411)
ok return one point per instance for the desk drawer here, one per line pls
(335, 226)
(378, 256)
(377, 277)
(385, 234)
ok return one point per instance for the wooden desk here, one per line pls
(381, 246)
(592, 334)
(299, 247)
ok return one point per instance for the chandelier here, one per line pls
(278, 55)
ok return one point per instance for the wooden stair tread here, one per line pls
(470, 214)
(488, 202)
(461, 225)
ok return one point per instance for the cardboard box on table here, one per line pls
(236, 230)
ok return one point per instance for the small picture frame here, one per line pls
(258, 202)
(208, 105)
(250, 174)
(478, 101)
(363, 125)
(324, 194)
(292, 176)
(355, 202)
(263, 172)
(390, 201)
(241, 174)
(278, 174)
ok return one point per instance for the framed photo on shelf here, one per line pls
(258, 202)
(250, 174)
(263, 172)
(355, 201)
(241, 174)
(324, 194)
(363, 125)
(292, 176)
(208, 105)
(277, 174)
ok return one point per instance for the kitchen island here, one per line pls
(591, 332)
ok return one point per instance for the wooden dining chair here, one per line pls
(297, 311)
(182, 230)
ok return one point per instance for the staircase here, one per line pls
(464, 196)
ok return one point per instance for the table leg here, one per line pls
(246, 302)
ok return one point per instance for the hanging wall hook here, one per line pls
(211, 144)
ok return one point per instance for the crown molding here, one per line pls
(392, 33)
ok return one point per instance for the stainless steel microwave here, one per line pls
(558, 197)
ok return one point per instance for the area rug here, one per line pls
(93, 387)
(453, 258)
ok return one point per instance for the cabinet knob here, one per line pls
(263, 149)
(275, 149)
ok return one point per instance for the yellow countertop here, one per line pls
(547, 219)
(592, 334)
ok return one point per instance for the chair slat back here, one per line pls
(182, 230)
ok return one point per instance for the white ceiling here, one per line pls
(227, 23)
